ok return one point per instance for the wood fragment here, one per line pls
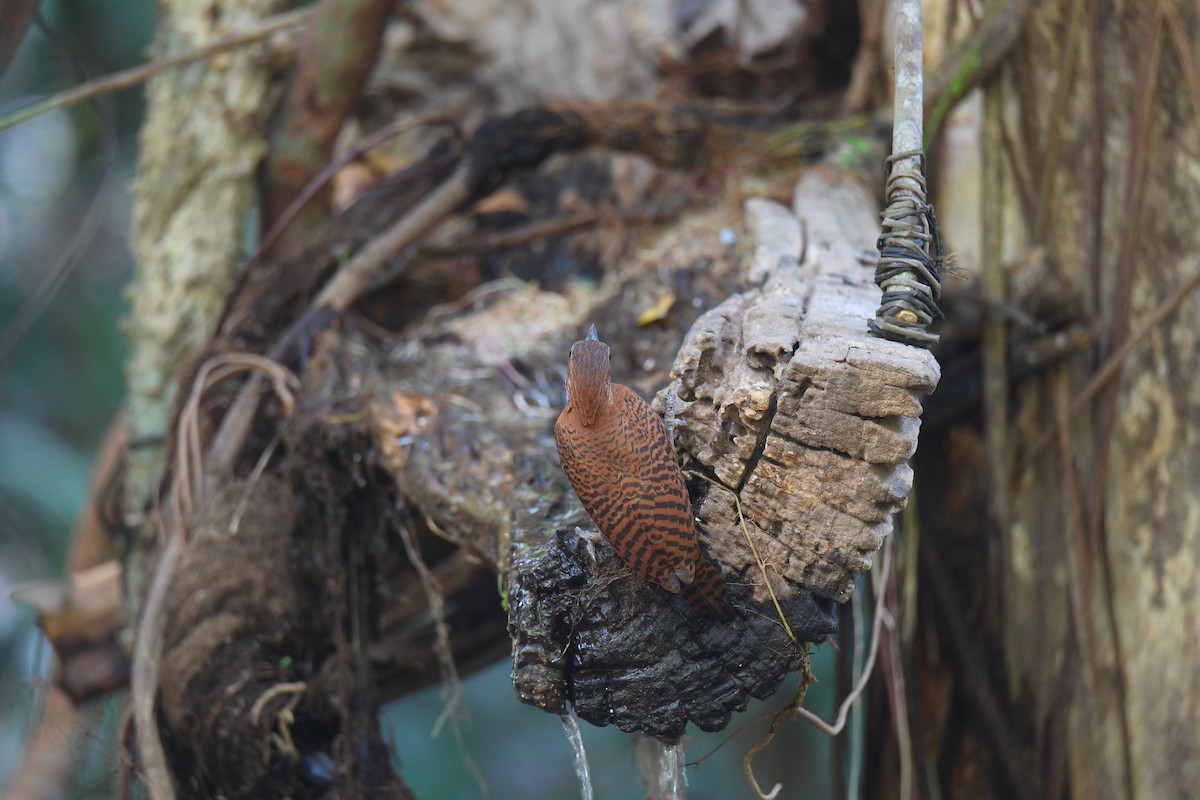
(811, 418)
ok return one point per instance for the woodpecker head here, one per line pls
(589, 377)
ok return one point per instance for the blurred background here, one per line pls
(64, 261)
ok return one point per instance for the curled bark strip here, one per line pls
(147, 655)
(189, 453)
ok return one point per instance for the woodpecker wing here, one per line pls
(708, 589)
(659, 498)
(625, 473)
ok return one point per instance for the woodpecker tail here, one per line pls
(707, 591)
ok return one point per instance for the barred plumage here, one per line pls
(618, 457)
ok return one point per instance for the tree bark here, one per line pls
(194, 192)
(1085, 591)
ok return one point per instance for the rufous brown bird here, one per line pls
(618, 457)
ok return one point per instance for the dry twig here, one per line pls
(839, 722)
(132, 77)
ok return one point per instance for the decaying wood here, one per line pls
(781, 392)
(808, 404)
(784, 395)
(299, 605)
(415, 466)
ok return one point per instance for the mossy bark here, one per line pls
(194, 198)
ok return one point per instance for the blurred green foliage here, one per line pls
(520, 751)
(61, 383)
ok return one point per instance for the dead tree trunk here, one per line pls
(1070, 605)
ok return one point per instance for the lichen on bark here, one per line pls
(194, 199)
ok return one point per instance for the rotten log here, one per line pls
(780, 394)
(354, 556)
(806, 422)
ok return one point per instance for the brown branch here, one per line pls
(972, 60)
(354, 278)
(1128, 248)
(1115, 362)
(1050, 149)
(977, 689)
(337, 54)
(996, 377)
(1183, 52)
